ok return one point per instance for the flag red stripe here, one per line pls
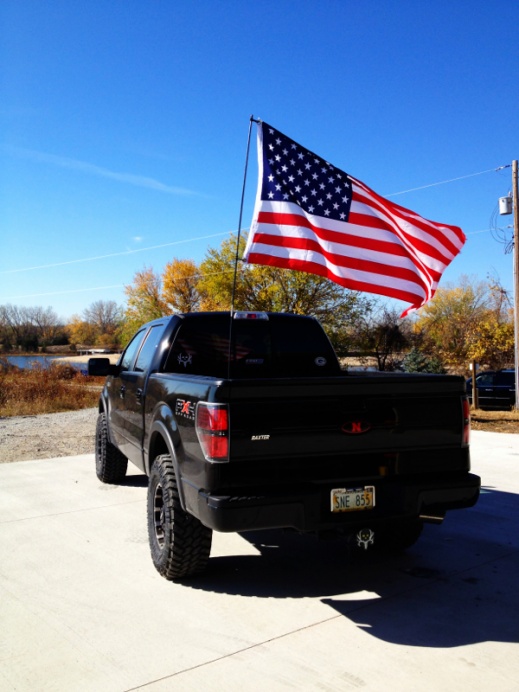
(359, 264)
(414, 242)
(432, 226)
(320, 270)
(337, 227)
(434, 230)
(338, 238)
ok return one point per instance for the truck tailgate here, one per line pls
(345, 415)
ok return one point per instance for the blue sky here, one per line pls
(123, 125)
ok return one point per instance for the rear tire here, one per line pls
(179, 543)
(111, 464)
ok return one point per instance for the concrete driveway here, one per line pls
(82, 608)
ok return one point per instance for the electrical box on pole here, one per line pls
(505, 205)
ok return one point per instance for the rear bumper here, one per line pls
(307, 508)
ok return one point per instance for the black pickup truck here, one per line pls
(247, 422)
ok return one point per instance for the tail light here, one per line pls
(212, 428)
(466, 422)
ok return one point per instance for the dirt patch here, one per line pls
(494, 423)
(67, 434)
(48, 435)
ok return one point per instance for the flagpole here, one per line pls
(236, 259)
(238, 246)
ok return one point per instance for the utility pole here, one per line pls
(515, 194)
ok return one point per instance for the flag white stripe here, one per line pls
(363, 232)
(342, 272)
(336, 249)
(433, 236)
(303, 200)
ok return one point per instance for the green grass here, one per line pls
(25, 392)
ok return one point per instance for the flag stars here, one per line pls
(285, 162)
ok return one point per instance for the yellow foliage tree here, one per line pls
(81, 333)
(465, 322)
(144, 301)
(179, 286)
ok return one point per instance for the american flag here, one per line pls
(313, 217)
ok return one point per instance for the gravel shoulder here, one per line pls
(66, 434)
(48, 435)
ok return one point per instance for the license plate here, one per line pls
(352, 499)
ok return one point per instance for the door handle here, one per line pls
(138, 395)
(122, 391)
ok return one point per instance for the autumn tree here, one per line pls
(493, 339)
(99, 325)
(80, 332)
(104, 315)
(270, 289)
(471, 320)
(180, 286)
(144, 302)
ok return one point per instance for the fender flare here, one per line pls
(102, 407)
(159, 428)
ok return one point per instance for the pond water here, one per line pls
(42, 361)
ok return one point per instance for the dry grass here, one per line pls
(58, 388)
(495, 421)
(63, 388)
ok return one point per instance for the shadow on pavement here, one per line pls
(135, 481)
(457, 586)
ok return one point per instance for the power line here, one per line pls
(452, 180)
(113, 254)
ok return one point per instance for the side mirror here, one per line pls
(100, 367)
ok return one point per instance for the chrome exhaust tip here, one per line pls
(432, 518)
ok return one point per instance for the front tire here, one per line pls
(179, 543)
(111, 464)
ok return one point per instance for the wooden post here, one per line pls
(475, 395)
(516, 278)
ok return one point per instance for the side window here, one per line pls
(148, 348)
(485, 380)
(505, 379)
(131, 350)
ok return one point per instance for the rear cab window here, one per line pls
(280, 346)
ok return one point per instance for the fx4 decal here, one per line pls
(185, 409)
